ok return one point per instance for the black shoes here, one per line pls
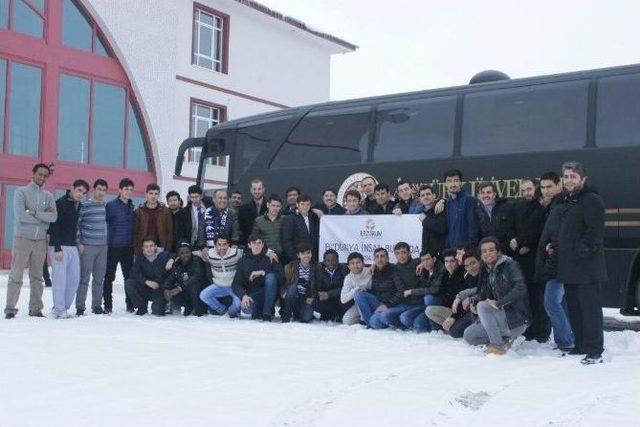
(80, 312)
(592, 359)
(9, 315)
(36, 314)
(267, 317)
(97, 310)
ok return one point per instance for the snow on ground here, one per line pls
(123, 370)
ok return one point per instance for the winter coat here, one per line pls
(547, 264)
(499, 225)
(219, 223)
(35, 198)
(120, 222)
(529, 218)
(186, 223)
(187, 275)
(164, 226)
(247, 215)
(335, 210)
(64, 231)
(410, 206)
(270, 232)
(434, 230)
(581, 239)
(249, 263)
(461, 220)
(292, 276)
(383, 210)
(430, 283)
(295, 231)
(505, 283)
(409, 280)
(387, 286)
(332, 284)
(155, 270)
(450, 286)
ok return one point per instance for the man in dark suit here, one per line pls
(251, 210)
(303, 227)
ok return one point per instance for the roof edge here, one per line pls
(298, 24)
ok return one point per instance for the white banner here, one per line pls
(365, 233)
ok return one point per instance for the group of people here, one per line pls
(490, 269)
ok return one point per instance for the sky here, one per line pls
(407, 45)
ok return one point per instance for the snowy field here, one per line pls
(124, 370)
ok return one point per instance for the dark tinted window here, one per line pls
(618, 113)
(535, 118)
(415, 130)
(326, 138)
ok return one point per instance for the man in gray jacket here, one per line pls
(34, 209)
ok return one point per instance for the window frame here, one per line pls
(41, 13)
(222, 117)
(96, 35)
(224, 34)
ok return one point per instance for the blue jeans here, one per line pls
(265, 298)
(296, 304)
(556, 307)
(211, 293)
(416, 319)
(367, 304)
(391, 316)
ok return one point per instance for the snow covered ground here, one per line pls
(123, 370)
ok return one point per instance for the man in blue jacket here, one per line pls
(460, 211)
(120, 223)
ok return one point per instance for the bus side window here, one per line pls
(415, 130)
(326, 138)
(545, 117)
(618, 112)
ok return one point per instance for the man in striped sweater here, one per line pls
(93, 248)
(223, 261)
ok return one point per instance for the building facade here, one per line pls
(109, 88)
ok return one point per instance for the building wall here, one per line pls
(268, 59)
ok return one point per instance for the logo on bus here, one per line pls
(353, 182)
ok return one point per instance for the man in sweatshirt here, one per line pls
(256, 281)
(120, 224)
(150, 271)
(185, 282)
(358, 280)
(223, 261)
(92, 246)
(33, 209)
(386, 292)
(63, 249)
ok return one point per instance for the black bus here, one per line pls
(500, 130)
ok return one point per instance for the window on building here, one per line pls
(210, 33)
(9, 191)
(80, 32)
(4, 13)
(105, 144)
(545, 117)
(203, 117)
(327, 138)
(618, 112)
(3, 97)
(415, 130)
(28, 16)
(24, 109)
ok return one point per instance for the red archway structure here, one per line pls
(64, 98)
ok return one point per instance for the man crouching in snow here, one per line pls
(186, 281)
(502, 304)
(151, 269)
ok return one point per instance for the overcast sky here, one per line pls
(408, 45)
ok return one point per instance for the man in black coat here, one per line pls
(185, 282)
(528, 221)
(192, 219)
(248, 212)
(302, 227)
(434, 226)
(329, 281)
(494, 215)
(581, 263)
(501, 301)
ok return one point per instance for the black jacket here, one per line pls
(529, 218)
(186, 275)
(434, 231)
(247, 215)
(427, 284)
(451, 284)
(249, 263)
(387, 286)
(382, 210)
(500, 225)
(185, 222)
(64, 231)
(547, 264)
(331, 284)
(581, 239)
(143, 269)
(335, 210)
(295, 231)
(505, 284)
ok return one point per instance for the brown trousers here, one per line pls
(26, 253)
